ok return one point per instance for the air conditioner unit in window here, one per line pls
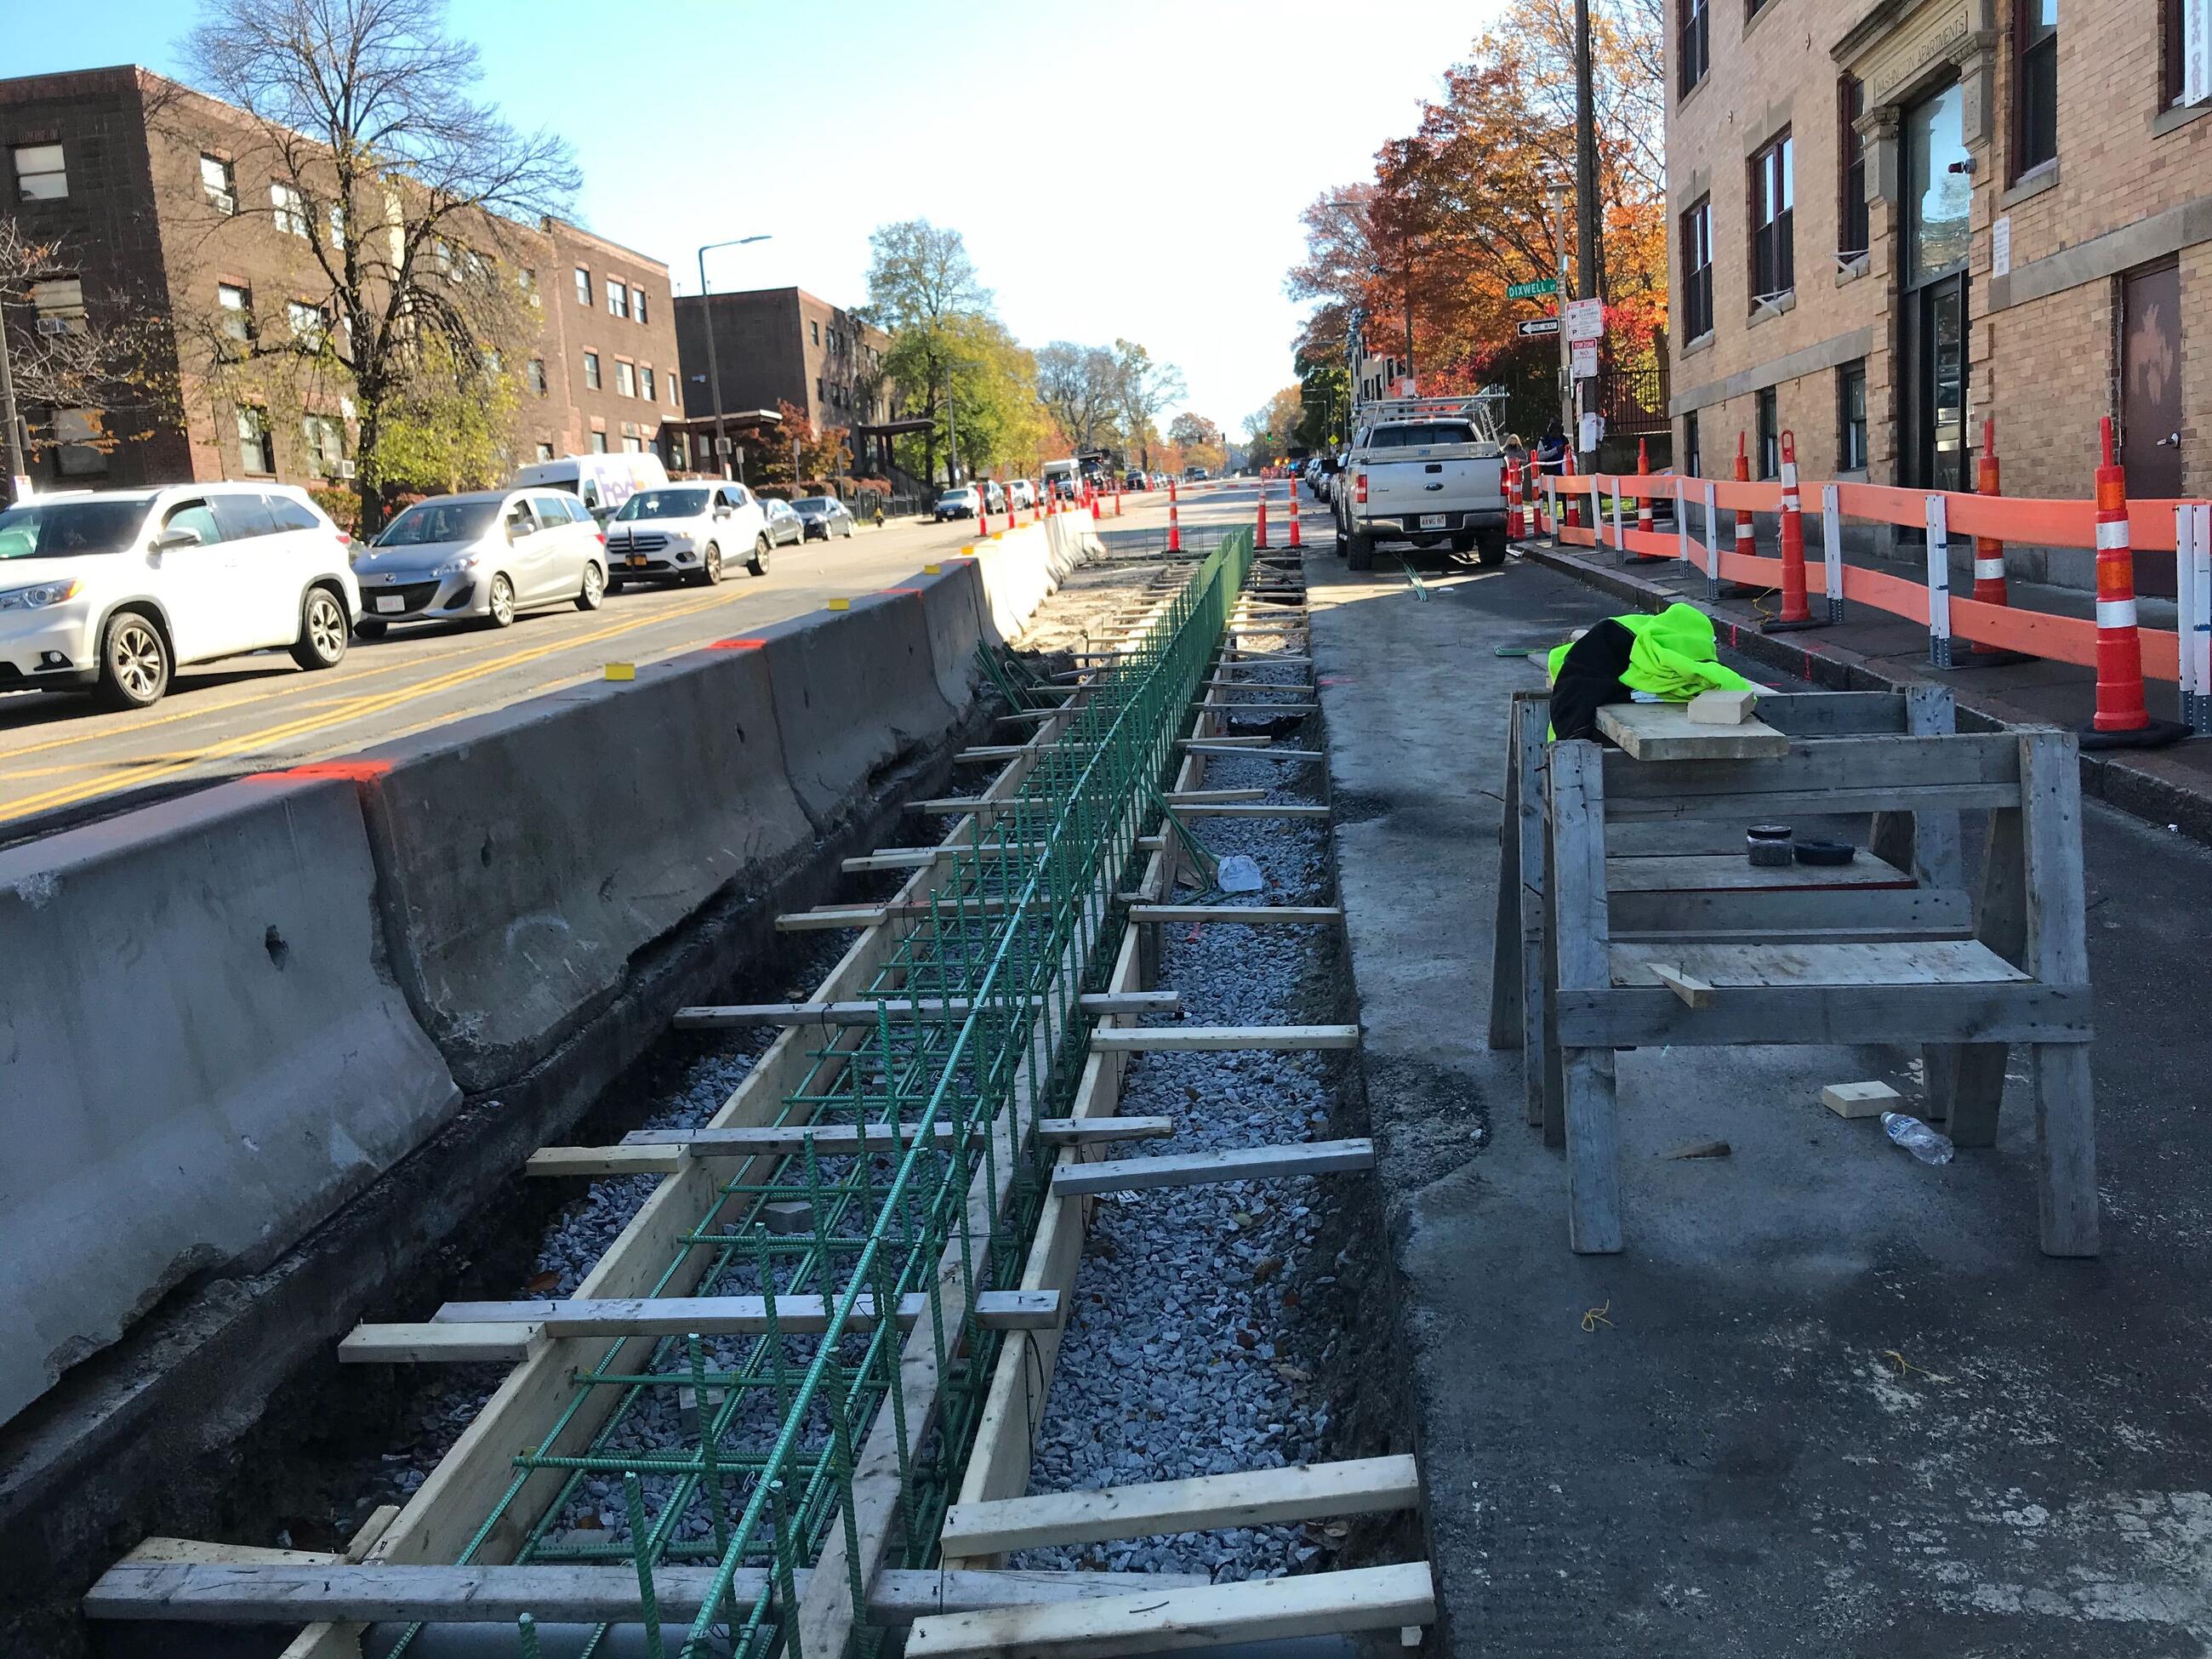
(346, 468)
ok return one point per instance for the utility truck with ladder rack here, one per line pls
(1428, 472)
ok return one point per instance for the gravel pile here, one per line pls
(1171, 1365)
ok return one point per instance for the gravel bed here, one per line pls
(1173, 1364)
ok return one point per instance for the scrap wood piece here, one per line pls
(1861, 1099)
(1197, 1169)
(509, 1342)
(1255, 1610)
(1156, 1039)
(1255, 914)
(1665, 732)
(1251, 1498)
(1718, 708)
(222, 1584)
(784, 1139)
(736, 1315)
(1253, 751)
(1091, 1131)
(1695, 992)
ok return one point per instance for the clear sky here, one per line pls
(1133, 170)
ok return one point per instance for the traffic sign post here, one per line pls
(1542, 285)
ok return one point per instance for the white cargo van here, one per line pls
(604, 483)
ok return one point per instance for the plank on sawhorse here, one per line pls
(1153, 1621)
(1252, 1498)
(1199, 1169)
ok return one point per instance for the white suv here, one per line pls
(689, 531)
(113, 591)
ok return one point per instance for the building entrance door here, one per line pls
(1935, 449)
(2150, 400)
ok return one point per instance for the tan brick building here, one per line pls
(163, 203)
(1892, 218)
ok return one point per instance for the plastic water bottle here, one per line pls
(1917, 1137)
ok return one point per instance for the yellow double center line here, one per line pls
(138, 776)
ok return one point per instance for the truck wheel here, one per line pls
(1359, 552)
(1491, 546)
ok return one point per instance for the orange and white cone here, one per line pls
(1260, 536)
(1643, 521)
(1796, 613)
(1174, 528)
(2122, 720)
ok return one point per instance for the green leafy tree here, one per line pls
(922, 287)
(1142, 389)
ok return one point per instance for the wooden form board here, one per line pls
(235, 1590)
(1665, 732)
(864, 1012)
(1305, 1492)
(1160, 1039)
(1256, 1610)
(1099, 1131)
(1251, 914)
(1199, 1169)
(736, 1315)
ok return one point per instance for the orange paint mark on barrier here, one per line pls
(737, 645)
(352, 771)
(898, 589)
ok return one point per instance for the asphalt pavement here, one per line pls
(63, 760)
(1829, 1401)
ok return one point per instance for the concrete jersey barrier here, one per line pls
(524, 857)
(204, 1056)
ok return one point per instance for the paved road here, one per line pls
(64, 761)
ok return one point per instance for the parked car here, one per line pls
(112, 591)
(995, 496)
(487, 557)
(1133, 480)
(785, 528)
(687, 532)
(1193, 475)
(824, 516)
(961, 502)
(1023, 492)
(1430, 472)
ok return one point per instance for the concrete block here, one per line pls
(855, 692)
(1722, 707)
(1861, 1099)
(951, 613)
(205, 1054)
(525, 856)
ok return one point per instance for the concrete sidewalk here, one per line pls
(1872, 650)
(1830, 1400)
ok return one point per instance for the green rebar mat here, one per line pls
(740, 1451)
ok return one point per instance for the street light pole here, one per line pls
(713, 368)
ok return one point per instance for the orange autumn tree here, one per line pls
(1458, 212)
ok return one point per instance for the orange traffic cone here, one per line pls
(1644, 505)
(1259, 538)
(1796, 613)
(2122, 721)
(1174, 529)
(1988, 561)
(1296, 544)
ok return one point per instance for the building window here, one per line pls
(632, 444)
(60, 301)
(820, 395)
(289, 208)
(2035, 84)
(617, 299)
(644, 382)
(254, 454)
(1698, 270)
(77, 454)
(1850, 417)
(1751, 9)
(2182, 28)
(625, 379)
(1773, 200)
(583, 286)
(674, 401)
(219, 183)
(311, 324)
(1852, 237)
(814, 332)
(326, 445)
(236, 305)
(592, 370)
(1692, 459)
(637, 303)
(538, 375)
(1693, 46)
(598, 443)
(1770, 436)
(545, 452)
(39, 174)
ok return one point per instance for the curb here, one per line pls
(2118, 782)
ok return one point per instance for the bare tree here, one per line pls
(404, 187)
(1142, 389)
(1080, 387)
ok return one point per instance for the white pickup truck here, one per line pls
(1429, 471)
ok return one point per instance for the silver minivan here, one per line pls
(485, 557)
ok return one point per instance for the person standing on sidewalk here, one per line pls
(1552, 449)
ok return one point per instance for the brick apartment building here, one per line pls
(154, 195)
(1891, 218)
(779, 345)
